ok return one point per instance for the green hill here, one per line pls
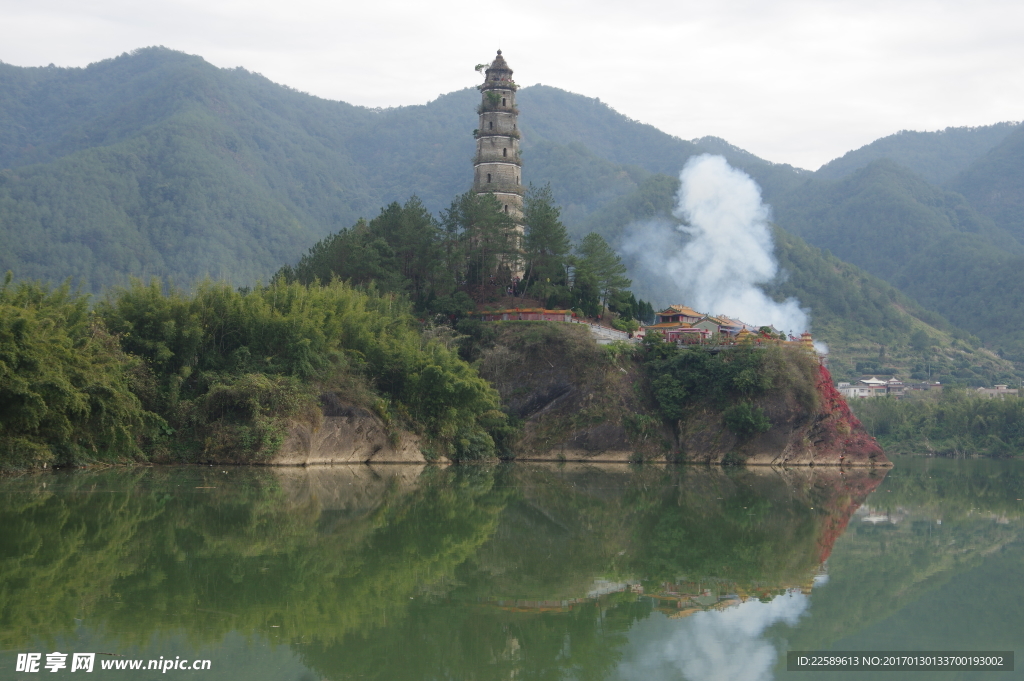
(936, 156)
(927, 241)
(994, 184)
(158, 163)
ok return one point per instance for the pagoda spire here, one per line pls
(497, 168)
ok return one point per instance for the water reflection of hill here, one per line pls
(209, 550)
(475, 572)
(929, 522)
(757, 529)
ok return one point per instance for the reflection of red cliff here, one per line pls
(837, 434)
(849, 490)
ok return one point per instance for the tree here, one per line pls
(546, 244)
(597, 259)
(480, 239)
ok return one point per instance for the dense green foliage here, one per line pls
(221, 356)
(218, 374)
(470, 255)
(403, 249)
(66, 388)
(695, 377)
(958, 423)
(599, 262)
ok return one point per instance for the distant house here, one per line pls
(894, 387)
(712, 325)
(998, 391)
(871, 387)
(676, 325)
(925, 385)
(853, 392)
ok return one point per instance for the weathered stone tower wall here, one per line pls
(497, 166)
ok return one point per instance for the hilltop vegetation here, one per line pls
(219, 374)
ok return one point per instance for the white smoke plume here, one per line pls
(710, 646)
(727, 257)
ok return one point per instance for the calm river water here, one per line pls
(510, 572)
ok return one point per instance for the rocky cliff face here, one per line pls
(831, 435)
(581, 402)
(346, 434)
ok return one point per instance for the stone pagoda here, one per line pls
(497, 168)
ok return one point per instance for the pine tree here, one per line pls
(597, 259)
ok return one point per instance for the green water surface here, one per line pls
(509, 572)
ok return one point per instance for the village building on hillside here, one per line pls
(871, 387)
(998, 391)
(676, 324)
(684, 325)
(678, 314)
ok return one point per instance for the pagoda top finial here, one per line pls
(499, 70)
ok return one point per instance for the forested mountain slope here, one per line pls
(935, 156)
(158, 163)
(994, 183)
(927, 241)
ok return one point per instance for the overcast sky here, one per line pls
(793, 81)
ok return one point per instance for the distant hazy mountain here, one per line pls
(994, 183)
(935, 156)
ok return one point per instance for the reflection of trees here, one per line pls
(62, 552)
(458, 640)
(757, 528)
(393, 573)
(210, 553)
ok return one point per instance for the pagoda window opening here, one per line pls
(504, 152)
(506, 207)
(503, 101)
(488, 178)
(490, 125)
